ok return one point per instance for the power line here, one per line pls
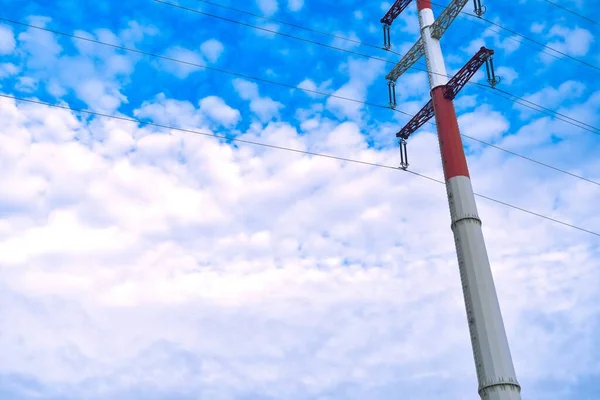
(572, 12)
(526, 38)
(478, 21)
(535, 161)
(536, 107)
(359, 42)
(346, 51)
(283, 148)
(192, 64)
(285, 85)
(541, 109)
(260, 28)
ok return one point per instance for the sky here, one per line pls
(144, 262)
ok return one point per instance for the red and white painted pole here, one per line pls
(493, 361)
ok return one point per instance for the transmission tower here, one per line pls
(495, 371)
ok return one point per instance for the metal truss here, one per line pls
(461, 78)
(446, 18)
(394, 11)
(417, 121)
(407, 61)
(451, 89)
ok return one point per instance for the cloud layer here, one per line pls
(140, 261)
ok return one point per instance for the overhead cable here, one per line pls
(572, 12)
(595, 67)
(258, 79)
(294, 25)
(334, 48)
(277, 147)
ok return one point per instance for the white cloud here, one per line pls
(92, 72)
(42, 46)
(361, 75)
(551, 97)
(537, 27)
(181, 114)
(8, 69)
(138, 260)
(508, 44)
(7, 40)
(27, 84)
(574, 42)
(102, 97)
(507, 74)
(237, 262)
(136, 33)
(268, 7)
(483, 124)
(220, 112)
(268, 30)
(212, 49)
(178, 69)
(264, 107)
(246, 89)
(308, 84)
(225, 258)
(295, 5)
(347, 44)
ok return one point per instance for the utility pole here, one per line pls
(495, 371)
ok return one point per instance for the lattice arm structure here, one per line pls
(450, 91)
(438, 29)
(417, 121)
(461, 78)
(407, 61)
(446, 18)
(394, 11)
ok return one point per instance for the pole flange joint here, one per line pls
(491, 385)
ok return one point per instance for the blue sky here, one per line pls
(143, 262)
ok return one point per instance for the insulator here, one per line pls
(403, 154)
(387, 41)
(392, 93)
(479, 10)
(491, 75)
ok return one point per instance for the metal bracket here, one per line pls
(407, 61)
(403, 154)
(446, 18)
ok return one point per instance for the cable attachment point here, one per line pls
(403, 154)
(479, 10)
(492, 79)
(392, 93)
(387, 41)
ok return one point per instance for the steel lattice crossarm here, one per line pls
(395, 10)
(451, 89)
(446, 18)
(407, 61)
(438, 28)
(417, 121)
(461, 78)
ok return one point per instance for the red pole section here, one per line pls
(453, 154)
(423, 4)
